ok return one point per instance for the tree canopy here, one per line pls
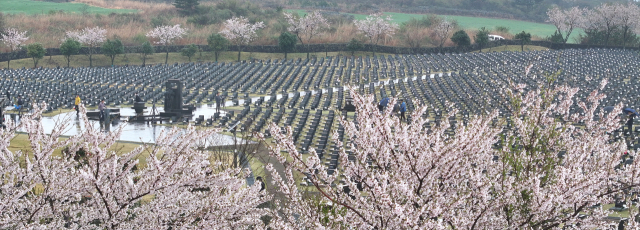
(111, 49)
(217, 43)
(68, 48)
(287, 43)
(36, 51)
(461, 38)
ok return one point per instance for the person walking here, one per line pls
(77, 107)
(383, 104)
(630, 115)
(18, 105)
(403, 110)
(218, 102)
(101, 107)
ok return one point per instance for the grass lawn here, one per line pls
(471, 23)
(513, 48)
(43, 7)
(158, 58)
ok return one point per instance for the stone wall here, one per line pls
(327, 48)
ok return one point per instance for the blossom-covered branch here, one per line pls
(90, 37)
(13, 39)
(91, 186)
(166, 35)
(240, 31)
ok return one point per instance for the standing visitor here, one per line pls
(77, 105)
(18, 106)
(403, 110)
(218, 102)
(630, 122)
(101, 107)
(383, 104)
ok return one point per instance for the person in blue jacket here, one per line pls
(383, 104)
(403, 109)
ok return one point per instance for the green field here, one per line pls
(536, 29)
(37, 7)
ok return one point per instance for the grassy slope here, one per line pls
(471, 23)
(41, 7)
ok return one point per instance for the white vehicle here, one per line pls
(493, 37)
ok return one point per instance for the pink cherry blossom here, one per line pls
(107, 189)
(166, 35)
(306, 27)
(240, 31)
(13, 38)
(375, 27)
(566, 20)
(90, 37)
(545, 172)
(443, 30)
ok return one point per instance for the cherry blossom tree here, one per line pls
(545, 172)
(306, 27)
(92, 186)
(90, 37)
(401, 179)
(376, 27)
(443, 31)
(13, 39)
(628, 20)
(603, 18)
(558, 170)
(240, 32)
(165, 36)
(566, 20)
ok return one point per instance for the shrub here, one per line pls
(354, 45)
(502, 29)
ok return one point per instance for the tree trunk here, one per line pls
(239, 55)
(68, 61)
(8, 62)
(90, 61)
(166, 58)
(112, 58)
(215, 53)
(35, 63)
(624, 38)
(285, 56)
(522, 46)
(144, 60)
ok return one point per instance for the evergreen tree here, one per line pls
(111, 49)
(217, 43)
(189, 51)
(354, 45)
(556, 37)
(287, 42)
(482, 37)
(186, 7)
(461, 38)
(70, 47)
(36, 51)
(147, 49)
(524, 38)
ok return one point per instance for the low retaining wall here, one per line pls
(327, 48)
